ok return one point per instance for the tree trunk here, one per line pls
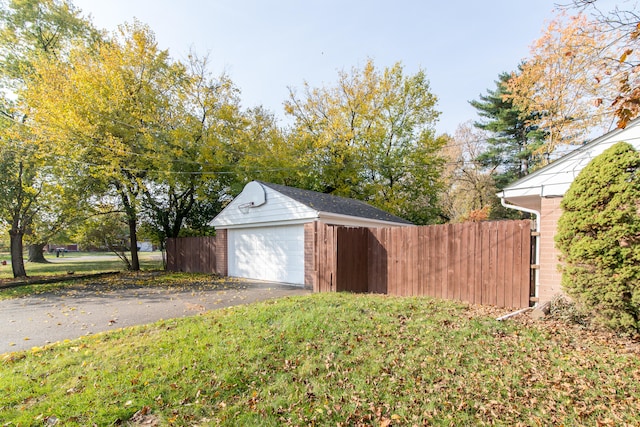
(164, 253)
(36, 253)
(17, 259)
(135, 263)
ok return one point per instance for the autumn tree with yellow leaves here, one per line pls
(371, 137)
(622, 59)
(147, 129)
(563, 87)
(35, 188)
(102, 105)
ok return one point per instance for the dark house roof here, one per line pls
(335, 204)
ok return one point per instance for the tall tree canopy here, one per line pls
(30, 29)
(562, 88)
(622, 58)
(371, 137)
(136, 121)
(190, 168)
(32, 187)
(103, 107)
(262, 151)
(513, 140)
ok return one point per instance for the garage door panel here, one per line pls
(268, 253)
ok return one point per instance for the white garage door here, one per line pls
(267, 253)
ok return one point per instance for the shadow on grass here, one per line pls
(82, 265)
(147, 287)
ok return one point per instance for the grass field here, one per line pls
(329, 359)
(80, 263)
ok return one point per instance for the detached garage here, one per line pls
(265, 230)
(269, 253)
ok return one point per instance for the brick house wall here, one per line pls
(222, 265)
(310, 275)
(550, 275)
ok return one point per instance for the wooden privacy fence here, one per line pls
(481, 263)
(197, 254)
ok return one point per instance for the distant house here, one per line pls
(145, 246)
(541, 192)
(265, 229)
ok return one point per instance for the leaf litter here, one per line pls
(339, 359)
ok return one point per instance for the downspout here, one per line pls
(536, 260)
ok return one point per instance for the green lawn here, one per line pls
(328, 359)
(80, 263)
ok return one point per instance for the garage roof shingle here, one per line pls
(335, 204)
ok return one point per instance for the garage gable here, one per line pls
(259, 205)
(262, 203)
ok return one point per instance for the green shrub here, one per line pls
(599, 238)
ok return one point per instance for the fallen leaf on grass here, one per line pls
(144, 418)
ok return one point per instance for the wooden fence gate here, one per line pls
(197, 254)
(481, 263)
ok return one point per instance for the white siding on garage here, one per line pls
(267, 253)
(278, 208)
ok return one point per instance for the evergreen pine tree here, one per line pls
(511, 149)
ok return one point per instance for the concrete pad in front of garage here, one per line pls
(73, 312)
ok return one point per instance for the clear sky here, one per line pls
(266, 46)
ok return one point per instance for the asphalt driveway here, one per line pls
(84, 310)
